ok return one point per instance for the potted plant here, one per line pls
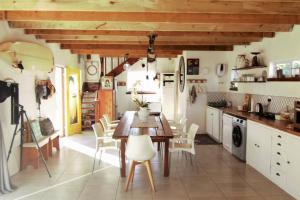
(142, 105)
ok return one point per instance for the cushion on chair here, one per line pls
(183, 145)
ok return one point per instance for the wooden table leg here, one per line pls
(166, 159)
(158, 146)
(123, 161)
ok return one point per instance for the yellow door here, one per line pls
(73, 101)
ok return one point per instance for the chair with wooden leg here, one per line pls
(140, 150)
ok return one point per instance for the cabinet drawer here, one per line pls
(279, 163)
(278, 177)
(278, 147)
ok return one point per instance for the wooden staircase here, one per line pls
(95, 102)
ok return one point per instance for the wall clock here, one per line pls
(181, 74)
(92, 69)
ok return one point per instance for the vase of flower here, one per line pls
(143, 113)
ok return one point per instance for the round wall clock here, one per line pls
(181, 74)
(92, 70)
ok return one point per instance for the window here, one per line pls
(289, 68)
(149, 85)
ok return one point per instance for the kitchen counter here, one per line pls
(285, 126)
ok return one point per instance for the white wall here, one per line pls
(196, 112)
(26, 89)
(284, 46)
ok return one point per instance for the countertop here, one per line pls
(285, 126)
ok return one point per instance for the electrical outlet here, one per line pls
(269, 99)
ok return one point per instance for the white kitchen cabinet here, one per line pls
(259, 147)
(209, 121)
(227, 132)
(293, 166)
(213, 116)
(275, 154)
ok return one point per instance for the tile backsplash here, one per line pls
(278, 103)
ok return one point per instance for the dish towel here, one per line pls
(5, 183)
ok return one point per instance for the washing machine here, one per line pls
(239, 138)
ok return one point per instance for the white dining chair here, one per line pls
(110, 123)
(185, 144)
(103, 142)
(179, 128)
(107, 130)
(140, 150)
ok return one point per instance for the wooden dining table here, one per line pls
(161, 134)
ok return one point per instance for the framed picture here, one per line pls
(107, 82)
(193, 66)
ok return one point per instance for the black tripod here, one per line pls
(23, 113)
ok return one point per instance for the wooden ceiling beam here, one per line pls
(146, 42)
(144, 47)
(288, 7)
(143, 39)
(102, 25)
(145, 33)
(159, 17)
(122, 53)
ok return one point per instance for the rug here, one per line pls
(204, 139)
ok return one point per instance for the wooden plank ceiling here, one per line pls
(116, 27)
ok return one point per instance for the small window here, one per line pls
(289, 68)
(148, 85)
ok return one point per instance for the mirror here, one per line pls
(181, 74)
(27, 56)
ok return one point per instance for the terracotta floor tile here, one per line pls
(214, 175)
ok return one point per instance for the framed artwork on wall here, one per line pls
(193, 65)
(107, 82)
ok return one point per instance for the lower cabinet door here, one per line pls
(227, 132)
(259, 148)
(293, 166)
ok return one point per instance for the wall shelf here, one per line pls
(248, 81)
(248, 68)
(292, 79)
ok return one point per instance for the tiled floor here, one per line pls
(214, 175)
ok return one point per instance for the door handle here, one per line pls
(278, 153)
(288, 162)
(278, 163)
(277, 174)
(279, 136)
(278, 144)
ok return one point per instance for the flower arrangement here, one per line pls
(135, 96)
(140, 104)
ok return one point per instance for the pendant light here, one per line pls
(126, 65)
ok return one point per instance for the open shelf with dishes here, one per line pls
(248, 81)
(291, 79)
(249, 67)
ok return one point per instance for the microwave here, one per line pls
(297, 115)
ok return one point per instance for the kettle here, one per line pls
(259, 109)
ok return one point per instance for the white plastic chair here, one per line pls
(186, 144)
(110, 124)
(179, 129)
(140, 150)
(107, 129)
(103, 142)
